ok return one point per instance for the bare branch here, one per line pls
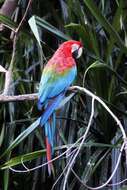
(81, 144)
(8, 77)
(4, 98)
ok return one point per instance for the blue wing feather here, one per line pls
(50, 109)
(48, 89)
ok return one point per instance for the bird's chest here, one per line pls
(63, 65)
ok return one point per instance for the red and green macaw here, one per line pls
(57, 76)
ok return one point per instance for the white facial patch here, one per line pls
(76, 48)
(79, 52)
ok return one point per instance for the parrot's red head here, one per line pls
(72, 48)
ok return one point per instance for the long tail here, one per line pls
(50, 138)
(48, 120)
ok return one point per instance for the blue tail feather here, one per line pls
(50, 127)
(49, 132)
(53, 124)
(48, 121)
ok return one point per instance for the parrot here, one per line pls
(57, 75)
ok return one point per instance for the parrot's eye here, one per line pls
(76, 51)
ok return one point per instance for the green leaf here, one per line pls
(23, 158)
(6, 179)
(50, 28)
(105, 23)
(88, 170)
(2, 135)
(34, 155)
(22, 136)
(7, 21)
(33, 26)
(82, 32)
(100, 65)
(117, 27)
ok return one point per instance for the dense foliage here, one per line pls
(101, 26)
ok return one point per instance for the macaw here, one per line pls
(57, 76)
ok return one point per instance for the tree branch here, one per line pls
(4, 98)
(8, 76)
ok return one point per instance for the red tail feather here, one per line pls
(48, 154)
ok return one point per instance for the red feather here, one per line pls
(48, 155)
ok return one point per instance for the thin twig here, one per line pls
(118, 183)
(24, 16)
(64, 170)
(46, 163)
(108, 110)
(113, 173)
(80, 146)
